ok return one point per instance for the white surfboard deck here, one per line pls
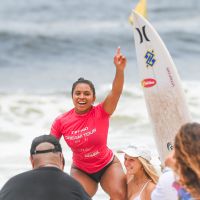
(163, 92)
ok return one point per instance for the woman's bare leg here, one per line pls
(88, 184)
(113, 181)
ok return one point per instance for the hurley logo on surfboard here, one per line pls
(142, 34)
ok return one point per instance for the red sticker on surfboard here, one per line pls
(148, 82)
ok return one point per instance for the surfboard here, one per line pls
(162, 87)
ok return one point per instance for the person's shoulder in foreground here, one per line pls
(46, 181)
(164, 188)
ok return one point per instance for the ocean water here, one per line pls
(46, 45)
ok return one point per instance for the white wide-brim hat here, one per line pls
(137, 151)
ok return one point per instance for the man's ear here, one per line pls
(31, 160)
(62, 161)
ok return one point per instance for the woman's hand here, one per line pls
(119, 60)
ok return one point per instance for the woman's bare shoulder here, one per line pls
(150, 187)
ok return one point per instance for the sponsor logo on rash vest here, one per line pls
(148, 82)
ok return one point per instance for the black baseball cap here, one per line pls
(45, 138)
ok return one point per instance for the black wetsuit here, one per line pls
(46, 183)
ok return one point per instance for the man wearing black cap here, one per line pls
(46, 181)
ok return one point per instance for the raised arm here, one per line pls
(110, 102)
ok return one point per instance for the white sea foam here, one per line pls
(25, 116)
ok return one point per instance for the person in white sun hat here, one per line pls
(141, 174)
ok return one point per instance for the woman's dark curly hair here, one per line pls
(187, 155)
(82, 80)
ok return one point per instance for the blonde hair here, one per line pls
(187, 155)
(149, 170)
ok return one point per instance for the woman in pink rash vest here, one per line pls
(85, 130)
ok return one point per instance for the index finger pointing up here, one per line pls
(118, 51)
